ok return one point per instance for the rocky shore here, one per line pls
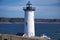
(15, 37)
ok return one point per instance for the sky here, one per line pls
(44, 9)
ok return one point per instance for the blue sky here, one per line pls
(45, 9)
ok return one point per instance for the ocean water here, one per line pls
(51, 30)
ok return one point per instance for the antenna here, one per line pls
(28, 4)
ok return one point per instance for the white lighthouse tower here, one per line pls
(29, 28)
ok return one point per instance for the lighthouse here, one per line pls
(29, 28)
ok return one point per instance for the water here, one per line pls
(51, 30)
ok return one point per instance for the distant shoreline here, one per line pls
(35, 22)
(22, 20)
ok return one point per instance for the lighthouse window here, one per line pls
(26, 23)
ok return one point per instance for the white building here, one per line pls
(29, 28)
